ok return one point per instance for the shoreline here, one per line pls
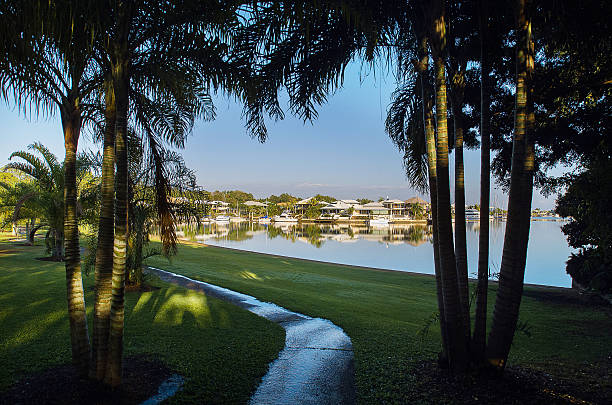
(538, 286)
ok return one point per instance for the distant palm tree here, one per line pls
(47, 193)
(48, 178)
(416, 211)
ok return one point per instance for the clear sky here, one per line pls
(344, 153)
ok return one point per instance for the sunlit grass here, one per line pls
(383, 313)
(221, 350)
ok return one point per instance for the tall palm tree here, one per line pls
(47, 66)
(480, 318)
(430, 137)
(512, 269)
(458, 57)
(457, 345)
(410, 122)
(164, 60)
(106, 234)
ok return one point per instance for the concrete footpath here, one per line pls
(314, 367)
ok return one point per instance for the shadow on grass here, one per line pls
(221, 350)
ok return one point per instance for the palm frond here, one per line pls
(404, 125)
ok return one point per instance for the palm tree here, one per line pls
(512, 269)
(48, 178)
(47, 68)
(45, 196)
(16, 204)
(106, 234)
(416, 210)
(457, 345)
(457, 72)
(162, 70)
(480, 318)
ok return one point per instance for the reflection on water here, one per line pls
(396, 247)
(315, 235)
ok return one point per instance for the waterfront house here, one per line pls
(218, 207)
(337, 207)
(416, 200)
(302, 206)
(255, 208)
(334, 208)
(397, 208)
(373, 209)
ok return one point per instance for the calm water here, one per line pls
(398, 247)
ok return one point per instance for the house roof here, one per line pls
(255, 204)
(416, 200)
(393, 201)
(374, 205)
(304, 201)
(337, 205)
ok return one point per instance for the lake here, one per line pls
(396, 247)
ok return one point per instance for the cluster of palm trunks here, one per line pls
(145, 68)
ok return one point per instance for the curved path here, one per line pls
(316, 364)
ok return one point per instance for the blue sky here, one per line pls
(344, 153)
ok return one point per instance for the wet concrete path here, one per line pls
(314, 367)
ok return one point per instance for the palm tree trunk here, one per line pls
(33, 231)
(120, 85)
(457, 354)
(430, 138)
(460, 238)
(104, 257)
(512, 270)
(79, 337)
(450, 291)
(480, 321)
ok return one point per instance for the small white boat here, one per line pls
(222, 219)
(264, 220)
(472, 214)
(237, 219)
(378, 222)
(285, 217)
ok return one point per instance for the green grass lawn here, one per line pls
(221, 350)
(383, 312)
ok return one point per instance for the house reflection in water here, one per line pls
(314, 234)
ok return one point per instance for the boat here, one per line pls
(285, 217)
(472, 214)
(222, 219)
(264, 220)
(378, 222)
(237, 219)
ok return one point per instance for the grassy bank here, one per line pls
(221, 350)
(383, 313)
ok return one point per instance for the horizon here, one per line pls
(344, 153)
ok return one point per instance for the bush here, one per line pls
(590, 269)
